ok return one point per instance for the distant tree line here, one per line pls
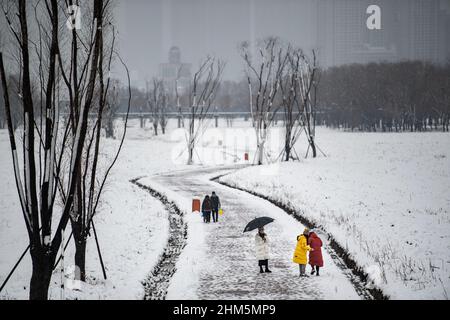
(403, 96)
(231, 96)
(383, 97)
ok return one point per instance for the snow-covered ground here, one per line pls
(219, 260)
(384, 197)
(132, 226)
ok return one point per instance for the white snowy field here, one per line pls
(132, 226)
(384, 197)
(219, 261)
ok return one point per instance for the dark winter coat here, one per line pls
(215, 202)
(315, 257)
(206, 205)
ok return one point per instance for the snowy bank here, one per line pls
(384, 197)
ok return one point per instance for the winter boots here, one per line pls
(302, 270)
(315, 270)
(266, 265)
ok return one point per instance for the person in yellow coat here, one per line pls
(300, 254)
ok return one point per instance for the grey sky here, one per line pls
(411, 30)
(200, 27)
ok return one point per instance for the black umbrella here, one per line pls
(258, 223)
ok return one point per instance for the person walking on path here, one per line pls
(315, 256)
(262, 250)
(215, 202)
(300, 254)
(206, 209)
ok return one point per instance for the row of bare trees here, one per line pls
(281, 78)
(62, 175)
(403, 96)
(201, 96)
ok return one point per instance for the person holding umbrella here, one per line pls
(300, 254)
(262, 250)
(261, 242)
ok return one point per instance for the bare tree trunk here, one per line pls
(77, 223)
(109, 130)
(41, 274)
(191, 143)
(155, 128)
(313, 146)
(261, 145)
(80, 249)
(191, 155)
(287, 145)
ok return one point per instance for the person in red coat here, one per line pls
(315, 255)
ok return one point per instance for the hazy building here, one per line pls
(422, 33)
(175, 70)
(444, 30)
(410, 30)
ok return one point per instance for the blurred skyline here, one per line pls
(411, 29)
(336, 29)
(201, 27)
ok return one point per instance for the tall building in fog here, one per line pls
(422, 30)
(411, 30)
(444, 29)
(175, 71)
(343, 37)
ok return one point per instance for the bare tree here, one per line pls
(178, 98)
(93, 171)
(164, 108)
(157, 100)
(38, 214)
(307, 102)
(152, 103)
(288, 102)
(111, 109)
(298, 89)
(202, 93)
(42, 180)
(264, 73)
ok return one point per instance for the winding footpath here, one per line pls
(229, 267)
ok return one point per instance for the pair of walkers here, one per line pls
(211, 206)
(306, 242)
